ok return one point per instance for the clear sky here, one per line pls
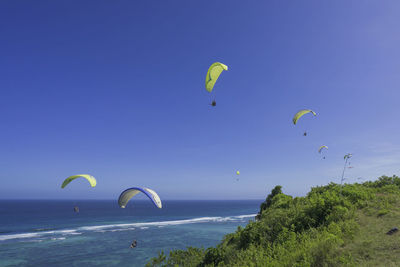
(116, 89)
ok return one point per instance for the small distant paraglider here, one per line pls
(237, 172)
(131, 192)
(320, 150)
(76, 209)
(300, 114)
(213, 73)
(346, 158)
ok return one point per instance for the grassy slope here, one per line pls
(370, 245)
(331, 226)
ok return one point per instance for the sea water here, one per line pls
(50, 233)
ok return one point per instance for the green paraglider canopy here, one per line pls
(347, 156)
(213, 73)
(88, 177)
(301, 113)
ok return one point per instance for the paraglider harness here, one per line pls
(134, 244)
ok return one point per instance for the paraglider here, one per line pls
(300, 114)
(134, 244)
(346, 158)
(237, 172)
(131, 192)
(320, 149)
(88, 177)
(213, 73)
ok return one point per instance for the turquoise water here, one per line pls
(49, 233)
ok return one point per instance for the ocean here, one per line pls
(50, 233)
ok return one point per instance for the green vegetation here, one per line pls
(332, 226)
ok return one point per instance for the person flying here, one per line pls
(213, 73)
(134, 244)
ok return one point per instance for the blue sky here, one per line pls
(116, 89)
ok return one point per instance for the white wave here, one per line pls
(27, 235)
(58, 238)
(32, 240)
(74, 233)
(124, 227)
(38, 234)
(67, 231)
(246, 216)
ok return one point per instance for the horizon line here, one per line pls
(102, 199)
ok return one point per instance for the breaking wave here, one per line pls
(120, 227)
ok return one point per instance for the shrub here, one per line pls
(301, 231)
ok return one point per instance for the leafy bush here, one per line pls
(301, 231)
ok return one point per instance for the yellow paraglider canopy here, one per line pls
(301, 113)
(321, 147)
(88, 177)
(213, 73)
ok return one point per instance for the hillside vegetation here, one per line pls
(333, 225)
